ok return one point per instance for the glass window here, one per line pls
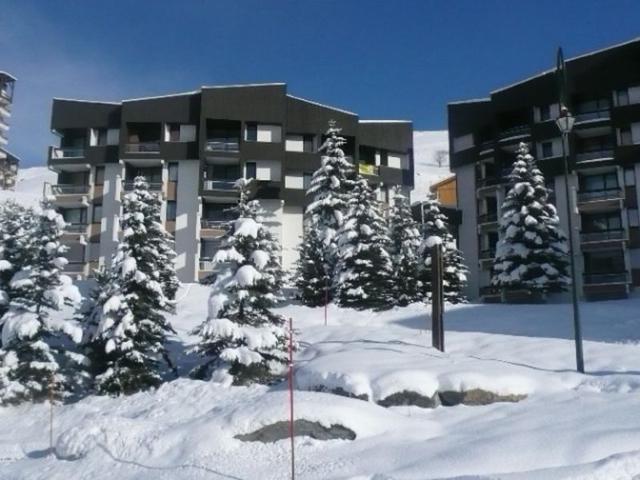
(251, 170)
(171, 210)
(623, 97)
(99, 176)
(634, 219)
(172, 132)
(75, 215)
(208, 248)
(306, 180)
(604, 262)
(545, 113)
(594, 183)
(625, 136)
(173, 172)
(251, 132)
(601, 222)
(97, 214)
(547, 149)
(629, 177)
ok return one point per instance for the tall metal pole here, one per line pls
(562, 91)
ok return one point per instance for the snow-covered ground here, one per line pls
(568, 426)
(426, 145)
(29, 186)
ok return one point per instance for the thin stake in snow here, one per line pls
(437, 298)
(51, 414)
(291, 429)
(326, 299)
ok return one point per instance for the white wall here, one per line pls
(269, 170)
(463, 142)
(398, 160)
(113, 136)
(556, 146)
(187, 220)
(187, 133)
(269, 133)
(635, 132)
(634, 94)
(468, 233)
(294, 180)
(292, 232)
(294, 143)
(111, 205)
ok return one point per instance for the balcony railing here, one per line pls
(517, 131)
(74, 267)
(214, 224)
(487, 218)
(586, 156)
(367, 169)
(154, 187)
(207, 265)
(598, 195)
(67, 152)
(75, 228)
(605, 278)
(69, 189)
(602, 236)
(143, 147)
(222, 145)
(590, 116)
(488, 254)
(227, 185)
(489, 290)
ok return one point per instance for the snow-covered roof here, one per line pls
(321, 104)
(10, 154)
(551, 70)
(471, 100)
(85, 101)
(181, 94)
(6, 74)
(384, 121)
(242, 85)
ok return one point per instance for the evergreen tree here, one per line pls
(531, 254)
(242, 340)
(329, 191)
(129, 342)
(17, 224)
(405, 248)
(312, 279)
(454, 275)
(364, 273)
(37, 356)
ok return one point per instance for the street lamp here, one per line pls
(565, 124)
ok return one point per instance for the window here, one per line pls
(173, 172)
(299, 143)
(171, 210)
(601, 222)
(75, 215)
(545, 113)
(208, 248)
(96, 215)
(625, 136)
(594, 183)
(634, 219)
(547, 149)
(113, 136)
(629, 177)
(250, 170)
(172, 132)
(99, 176)
(251, 132)
(98, 137)
(604, 262)
(306, 180)
(223, 172)
(623, 97)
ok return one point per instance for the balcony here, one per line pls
(75, 228)
(594, 155)
(231, 145)
(487, 254)
(605, 278)
(487, 218)
(128, 186)
(74, 268)
(517, 131)
(69, 189)
(368, 169)
(143, 147)
(207, 265)
(66, 152)
(597, 115)
(208, 224)
(600, 195)
(602, 236)
(226, 185)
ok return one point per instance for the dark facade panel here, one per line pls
(175, 108)
(298, 161)
(79, 114)
(392, 136)
(262, 151)
(307, 117)
(102, 154)
(179, 150)
(259, 103)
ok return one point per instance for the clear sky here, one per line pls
(383, 59)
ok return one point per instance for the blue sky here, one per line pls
(383, 59)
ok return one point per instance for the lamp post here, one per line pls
(565, 124)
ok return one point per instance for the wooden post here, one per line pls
(437, 298)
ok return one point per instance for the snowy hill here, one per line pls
(566, 425)
(29, 186)
(426, 148)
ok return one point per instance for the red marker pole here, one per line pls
(326, 299)
(291, 430)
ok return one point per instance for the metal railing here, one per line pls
(222, 145)
(207, 264)
(488, 254)
(69, 189)
(214, 224)
(604, 114)
(585, 156)
(74, 267)
(488, 218)
(368, 169)
(143, 147)
(489, 290)
(75, 228)
(227, 185)
(596, 195)
(67, 152)
(516, 131)
(129, 186)
(602, 236)
(605, 278)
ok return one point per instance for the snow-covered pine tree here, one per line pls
(405, 251)
(364, 272)
(531, 254)
(17, 224)
(129, 344)
(329, 192)
(312, 279)
(242, 340)
(37, 356)
(435, 231)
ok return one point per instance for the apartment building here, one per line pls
(8, 162)
(192, 147)
(604, 157)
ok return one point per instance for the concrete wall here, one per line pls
(561, 206)
(111, 206)
(468, 239)
(291, 235)
(187, 220)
